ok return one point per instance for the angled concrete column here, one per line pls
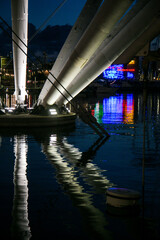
(20, 27)
(105, 56)
(142, 41)
(108, 15)
(84, 19)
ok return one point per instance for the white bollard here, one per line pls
(122, 201)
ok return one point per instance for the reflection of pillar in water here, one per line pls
(20, 223)
(66, 176)
(89, 171)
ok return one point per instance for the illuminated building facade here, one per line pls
(6, 72)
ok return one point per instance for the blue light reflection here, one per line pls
(115, 109)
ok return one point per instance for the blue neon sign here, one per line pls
(114, 72)
(118, 71)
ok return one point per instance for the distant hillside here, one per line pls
(50, 40)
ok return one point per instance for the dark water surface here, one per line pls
(53, 182)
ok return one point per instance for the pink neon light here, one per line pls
(126, 70)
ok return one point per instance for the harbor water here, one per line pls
(54, 181)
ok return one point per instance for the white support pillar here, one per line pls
(105, 56)
(140, 44)
(99, 28)
(84, 19)
(20, 27)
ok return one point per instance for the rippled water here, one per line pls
(53, 182)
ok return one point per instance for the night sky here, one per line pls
(40, 10)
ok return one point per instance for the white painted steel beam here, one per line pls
(99, 28)
(20, 27)
(148, 35)
(84, 19)
(104, 57)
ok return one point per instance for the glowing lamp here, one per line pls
(52, 111)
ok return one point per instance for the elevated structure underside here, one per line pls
(111, 32)
(105, 32)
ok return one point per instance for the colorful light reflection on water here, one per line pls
(115, 109)
(65, 173)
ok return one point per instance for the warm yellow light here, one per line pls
(46, 72)
(131, 62)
